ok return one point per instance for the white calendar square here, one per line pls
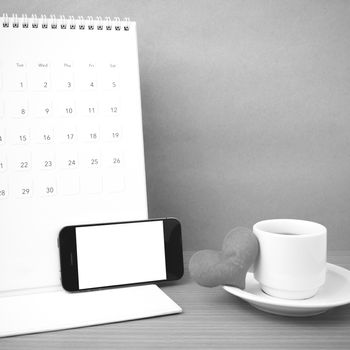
(68, 159)
(88, 106)
(45, 160)
(1, 108)
(90, 132)
(43, 134)
(113, 158)
(111, 106)
(21, 160)
(91, 182)
(2, 136)
(46, 186)
(87, 74)
(91, 158)
(69, 183)
(3, 163)
(15, 75)
(67, 133)
(65, 106)
(71, 148)
(41, 105)
(110, 81)
(17, 106)
(20, 135)
(63, 73)
(22, 187)
(112, 131)
(40, 76)
(3, 189)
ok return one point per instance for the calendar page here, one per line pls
(71, 142)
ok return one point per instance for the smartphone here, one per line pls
(121, 253)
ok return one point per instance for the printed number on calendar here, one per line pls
(49, 190)
(25, 191)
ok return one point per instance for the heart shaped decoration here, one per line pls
(211, 268)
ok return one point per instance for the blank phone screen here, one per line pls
(118, 254)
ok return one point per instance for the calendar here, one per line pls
(71, 141)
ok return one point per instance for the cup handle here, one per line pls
(252, 267)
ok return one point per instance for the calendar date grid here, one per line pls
(46, 141)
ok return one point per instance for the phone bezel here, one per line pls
(69, 261)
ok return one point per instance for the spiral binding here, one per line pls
(71, 23)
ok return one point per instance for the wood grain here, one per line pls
(212, 319)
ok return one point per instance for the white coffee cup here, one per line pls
(292, 258)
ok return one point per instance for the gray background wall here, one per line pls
(246, 108)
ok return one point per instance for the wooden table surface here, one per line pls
(211, 319)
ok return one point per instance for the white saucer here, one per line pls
(335, 292)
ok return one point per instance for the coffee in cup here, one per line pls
(292, 258)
